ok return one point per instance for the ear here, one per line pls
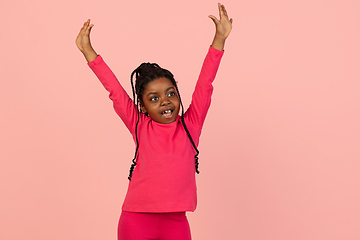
(143, 108)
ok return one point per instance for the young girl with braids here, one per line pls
(162, 175)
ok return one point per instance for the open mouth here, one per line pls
(167, 113)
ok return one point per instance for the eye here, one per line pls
(153, 99)
(170, 94)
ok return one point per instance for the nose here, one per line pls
(165, 102)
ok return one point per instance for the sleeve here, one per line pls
(123, 104)
(201, 97)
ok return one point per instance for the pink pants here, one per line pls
(153, 226)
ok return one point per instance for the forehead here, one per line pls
(159, 84)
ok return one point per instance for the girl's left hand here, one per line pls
(224, 25)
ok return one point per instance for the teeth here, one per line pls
(167, 111)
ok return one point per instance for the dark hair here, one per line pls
(144, 74)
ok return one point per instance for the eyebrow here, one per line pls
(156, 92)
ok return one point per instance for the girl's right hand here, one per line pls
(84, 44)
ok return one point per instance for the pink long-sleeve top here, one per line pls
(164, 177)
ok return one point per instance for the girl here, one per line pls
(162, 175)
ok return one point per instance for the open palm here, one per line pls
(83, 38)
(224, 25)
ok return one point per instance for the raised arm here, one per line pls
(201, 97)
(123, 104)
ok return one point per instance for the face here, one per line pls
(161, 101)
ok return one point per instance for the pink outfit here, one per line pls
(150, 226)
(164, 177)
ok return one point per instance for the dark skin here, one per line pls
(223, 28)
(161, 101)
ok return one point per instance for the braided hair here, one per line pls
(144, 74)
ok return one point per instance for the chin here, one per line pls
(167, 121)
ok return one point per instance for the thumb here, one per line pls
(215, 20)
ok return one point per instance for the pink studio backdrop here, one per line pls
(279, 152)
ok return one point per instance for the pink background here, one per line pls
(279, 152)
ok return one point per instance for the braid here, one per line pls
(137, 71)
(137, 145)
(144, 74)
(188, 133)
(137, 122)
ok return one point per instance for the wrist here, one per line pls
(219, 37)
(218, 43)
(88, 50)
(90, 55)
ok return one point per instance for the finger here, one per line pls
(86, 23)
(89, 29)
(215, 20)
(223, 11)
(83, 29)
(220, 10)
